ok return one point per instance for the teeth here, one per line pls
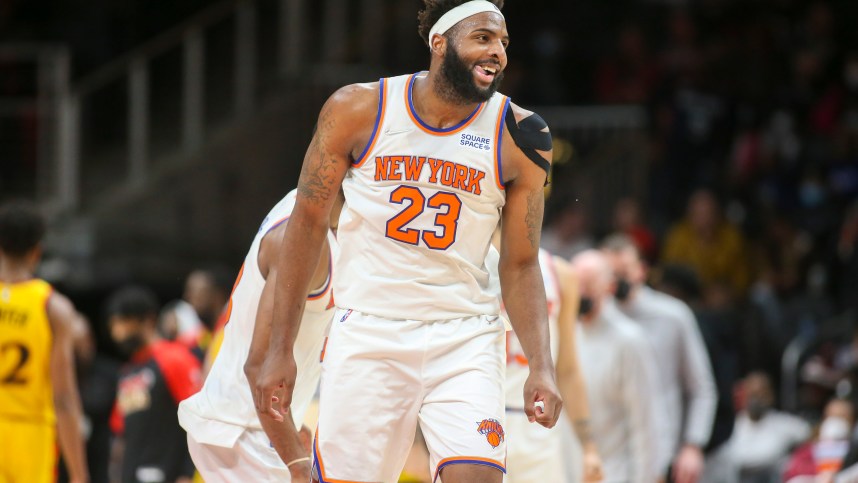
(490, 70)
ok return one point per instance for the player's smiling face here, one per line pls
(476, 56)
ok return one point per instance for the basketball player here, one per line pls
(227, 440)
(524, 462)
(685, 374)
(622, 386)
(39, 402)
(426, 162)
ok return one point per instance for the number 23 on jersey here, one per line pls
(447, 205)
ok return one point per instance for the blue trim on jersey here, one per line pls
(500, 142)
(428, 127)
(381, 90)
(280, 222)
(467, 462)
(327, 281)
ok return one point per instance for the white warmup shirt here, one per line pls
(763, 443)
(683, 368)
(617, 363)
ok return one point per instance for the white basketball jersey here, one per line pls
(224, 407)
(421, 206)
(516, 363)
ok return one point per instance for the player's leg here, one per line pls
(462, 416)
(370, 393)
(32, 459)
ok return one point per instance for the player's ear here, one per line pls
(438, 44)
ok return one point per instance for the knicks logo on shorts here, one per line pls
(493, 431)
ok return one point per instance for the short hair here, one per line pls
(21, 228)
(619, 242)
(133, 301)
(681, 278)
(434, 10)
(219, 277)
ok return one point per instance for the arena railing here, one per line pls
(162, 100)
(35, 76)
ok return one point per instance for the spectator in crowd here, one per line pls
(687, 385)
(622, 389)
(846, 264)
(628, 220)
(630, 75)
(569, 233)
(763, 436)
(823, 456)
(710, 245)
(192, 319)
(159, 375)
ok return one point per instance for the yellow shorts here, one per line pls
(29, 452)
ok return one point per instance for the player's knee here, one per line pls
(465, 473)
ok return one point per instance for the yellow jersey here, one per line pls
(25, 352)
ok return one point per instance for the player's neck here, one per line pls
(433, 107)
(14, 271)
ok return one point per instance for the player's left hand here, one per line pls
(688, 465)
(542, 401)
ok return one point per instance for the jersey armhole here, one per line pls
(499, 145)
(379, 119)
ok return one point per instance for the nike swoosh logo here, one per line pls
(396, 131)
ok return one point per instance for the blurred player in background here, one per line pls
(227, 439)
(39, 402)
(687, 384)
(622, 388)
(524, 463)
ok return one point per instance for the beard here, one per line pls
(456, 82)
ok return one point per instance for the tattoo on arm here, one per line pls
(317, 174)
(533, 219)
(582, 430)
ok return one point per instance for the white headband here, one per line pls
(460, 13)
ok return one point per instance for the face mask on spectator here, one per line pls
(756, 409)
(131, 344)
(585, 306)
(624, 289)
(834, 428)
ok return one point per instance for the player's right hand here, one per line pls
(273, 392)
(542, 401)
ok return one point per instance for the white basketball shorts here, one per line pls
(381, 377)
(251, 458)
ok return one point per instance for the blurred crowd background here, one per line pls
(728, 152)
